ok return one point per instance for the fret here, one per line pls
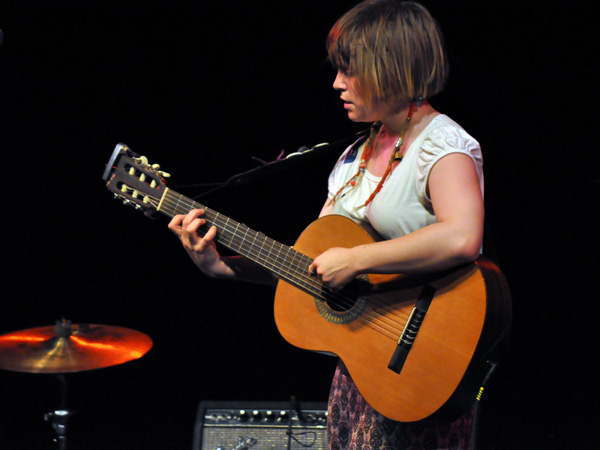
(278, 253)
(217, 216)
(261, 247)
(277, 264)
(211, 217)
(237, 246)
(249, 233)
(177, 204)
(253, 243)
(288, 262)
(223, 233)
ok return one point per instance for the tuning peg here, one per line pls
(158, 172)
(141, 160)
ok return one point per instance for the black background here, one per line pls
(201, 87)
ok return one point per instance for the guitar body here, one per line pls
(442, 370)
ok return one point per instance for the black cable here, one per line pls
(477, 409)
(281, 163)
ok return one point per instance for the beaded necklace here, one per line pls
(366, 155)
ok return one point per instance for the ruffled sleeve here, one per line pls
(439, 142)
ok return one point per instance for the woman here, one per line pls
(417, 180)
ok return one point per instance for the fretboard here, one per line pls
(282, 260)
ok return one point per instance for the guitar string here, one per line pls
(383, 324)
(381, 311)
(302, 267)
(246, 246)
(277, 255)
(318, 289)
(314, 286)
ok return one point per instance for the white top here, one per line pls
(402, 206)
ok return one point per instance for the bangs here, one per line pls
(347, 52)
(339, 49)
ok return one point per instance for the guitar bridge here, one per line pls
(411, 329)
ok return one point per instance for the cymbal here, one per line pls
(67, 347)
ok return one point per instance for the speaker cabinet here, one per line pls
(260, 426)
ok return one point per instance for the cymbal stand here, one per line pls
(60, 417)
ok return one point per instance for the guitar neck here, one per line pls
(280, 259)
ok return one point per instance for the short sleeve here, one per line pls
(438, 143)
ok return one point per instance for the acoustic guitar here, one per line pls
(416, 346)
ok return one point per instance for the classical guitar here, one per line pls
(414, 345)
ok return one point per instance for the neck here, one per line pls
(396, 121)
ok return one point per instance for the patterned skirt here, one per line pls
(354, 425)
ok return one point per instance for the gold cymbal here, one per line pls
(67, 347)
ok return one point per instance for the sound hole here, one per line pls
(345, 299)
(345, 306)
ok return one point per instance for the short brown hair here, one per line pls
(394, 48)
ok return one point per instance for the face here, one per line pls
(359, 108)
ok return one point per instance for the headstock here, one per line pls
(131, 178)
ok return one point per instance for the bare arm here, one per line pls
(455, 238)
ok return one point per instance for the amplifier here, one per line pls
(260, 426)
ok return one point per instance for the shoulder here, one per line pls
(444, 136)
(443, 133)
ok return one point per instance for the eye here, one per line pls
(347, 71)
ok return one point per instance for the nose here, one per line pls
(341, 82)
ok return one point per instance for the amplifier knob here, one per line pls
(244, 416)
(270, 416)
(256, 416)
(283, 416)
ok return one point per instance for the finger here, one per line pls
(211, 234)
(175, 223)
(191, 216)
(200, 246)
(202, 243)
(193, 226)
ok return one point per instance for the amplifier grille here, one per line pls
(260, 426)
